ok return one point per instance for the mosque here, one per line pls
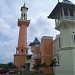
(62, 48)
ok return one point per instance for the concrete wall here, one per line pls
(65, 62)
(67, 50)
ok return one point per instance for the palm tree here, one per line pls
(52, 64)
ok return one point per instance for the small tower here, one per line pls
(35, 49)
(24, 12)
(64, 15)
(21, 50)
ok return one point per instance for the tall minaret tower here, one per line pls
(21, 50)
(64, 15)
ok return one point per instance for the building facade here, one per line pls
(62, 48)
(35, 49)
(64, 44)
(43, 53)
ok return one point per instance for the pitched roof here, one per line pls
(35, 42)
(64, 4)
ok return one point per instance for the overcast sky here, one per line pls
(39, 26)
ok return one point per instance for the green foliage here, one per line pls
(9, 65)
(39, 65)
(53, 63)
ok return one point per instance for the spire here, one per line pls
(65, 0)
(24, 5)
(35, 42)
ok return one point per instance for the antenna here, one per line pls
(58, 0)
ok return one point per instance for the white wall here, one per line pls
(65, 62)
(66, 34)
(31, 61)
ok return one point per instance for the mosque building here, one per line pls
(62, 48)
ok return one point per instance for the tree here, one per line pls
(9, 65)
(41, 65)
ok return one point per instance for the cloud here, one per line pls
(7, 50)
(7, 30)
(39, 26)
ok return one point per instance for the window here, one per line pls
(24, 16)
(58, 18)
(61, 13)
(74, 38)
(56, 21)
(26, 51)
(65, 12)
(17, 51)
(22, 50)
(71, 12)
(32, 48)
(59, 42)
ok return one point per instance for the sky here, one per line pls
(39, 26)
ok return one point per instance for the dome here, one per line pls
(35, 42)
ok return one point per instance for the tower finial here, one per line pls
(58, 0)
(24, 5)
(65, 0)
(24, 10)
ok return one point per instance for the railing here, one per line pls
(70, 18)
(23, 20)
(36, 56)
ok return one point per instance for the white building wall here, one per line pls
(56, 45)
(66, 54)
(66, 64)
(67, 34)
(31, 61)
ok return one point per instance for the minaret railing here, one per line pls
(68, 18)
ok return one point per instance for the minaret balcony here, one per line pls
(23, 20)
(64, 19)
(36, 56)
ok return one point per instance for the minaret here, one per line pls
(64, 15)
(21, 50)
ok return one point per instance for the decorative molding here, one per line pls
(66, 48)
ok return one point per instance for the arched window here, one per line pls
(24, 16)
(65, 11)
(74, 38)
(71, 12)
(22, 50)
